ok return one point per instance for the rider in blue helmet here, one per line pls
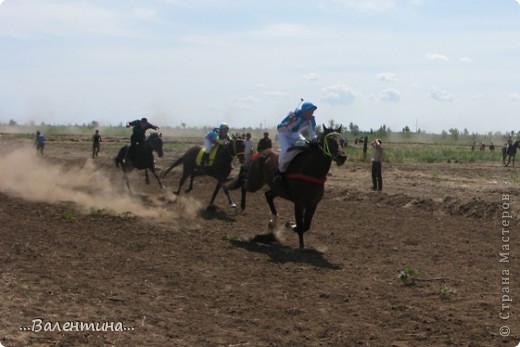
(290, 131)
(214, 137)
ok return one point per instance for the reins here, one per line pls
(326, 147)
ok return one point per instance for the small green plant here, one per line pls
(126, 214)
(445, 292)
(230, 238)
(407, 275)
(69, 216)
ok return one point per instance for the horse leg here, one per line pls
(157, 177)
(211, 207)
(190, 188)
(299, 216)
(226, 191)
(269, 196)
(127, 181)
(243, 198)
(181, 182)
(147, 179)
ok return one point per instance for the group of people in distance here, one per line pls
(289, 133)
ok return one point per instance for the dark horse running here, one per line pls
(220, 169)
(510, 154)
(142, 158)
(304, 182)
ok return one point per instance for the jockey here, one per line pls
(213, 138)
(289, 133)
(138, 134)
(509, 144)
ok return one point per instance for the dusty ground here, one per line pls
(77, 248)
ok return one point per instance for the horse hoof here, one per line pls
(211, 208)
(233, 205)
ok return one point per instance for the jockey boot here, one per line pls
(204, 160)
(129, 153)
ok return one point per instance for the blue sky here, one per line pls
(431, 64)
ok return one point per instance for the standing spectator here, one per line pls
(96, 146)
(377, 158)
(248, 149)
(39, 142)
(264, 143)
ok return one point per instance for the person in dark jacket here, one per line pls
(264, 143)
(138, 134)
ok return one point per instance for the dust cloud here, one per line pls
(24, 175)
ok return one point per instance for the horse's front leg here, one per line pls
(226, 191)
(157, 177)
(269, 196)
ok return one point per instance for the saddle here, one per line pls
(211, 159)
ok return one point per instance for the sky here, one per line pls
(431, 65)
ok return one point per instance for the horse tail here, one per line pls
(176, 163)
(255, 174)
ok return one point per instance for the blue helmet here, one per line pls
(224, 126)
(307, 105)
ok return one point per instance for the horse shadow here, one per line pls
(280, 254)
(221, 215)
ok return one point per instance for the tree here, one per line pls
(354, 129)
(12, 122)
(454, 132)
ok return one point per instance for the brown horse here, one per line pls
(220, 169)
(510, 154)
(304, 181)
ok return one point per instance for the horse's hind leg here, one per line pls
(190, 188)
(147, 179)
(181, 182)
(211, 207)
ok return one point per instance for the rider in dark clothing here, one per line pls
(138, 134)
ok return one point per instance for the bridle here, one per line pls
(235, 151)
(325, 148)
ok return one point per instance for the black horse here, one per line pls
(220, 169)
(510, 154)
(304, 181)
(142, 158)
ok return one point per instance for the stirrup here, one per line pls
(278, 178)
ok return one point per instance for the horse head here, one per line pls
(156, 142)
(332, 144)
(237, 148)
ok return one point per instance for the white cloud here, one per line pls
(276, 93)
(440, 95)
(518, 2)
(368, 5)
(467, 59)
(1, 1)
(387, 77)
(515, 96)
(311, 76)
(244, 100)
(436, 56)
(392, 95)
(339, 94)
